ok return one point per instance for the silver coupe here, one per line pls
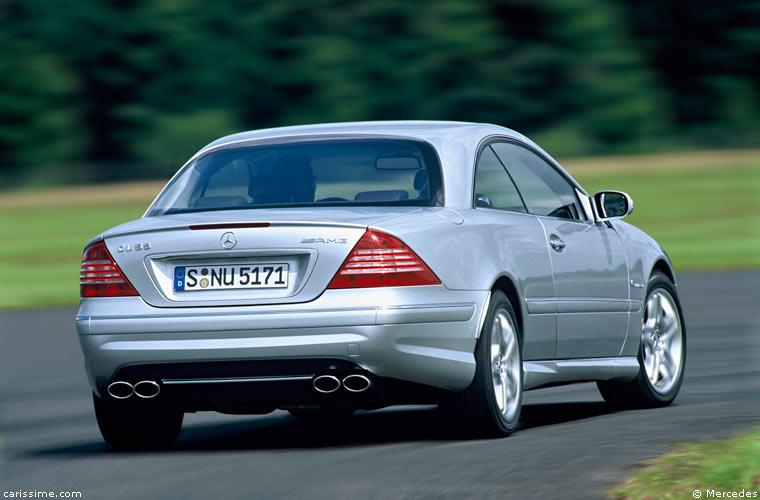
(328, 268)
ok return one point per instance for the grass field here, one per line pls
(43, 234)
(718, 466)
(703, 207)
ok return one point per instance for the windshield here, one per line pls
(337, 172)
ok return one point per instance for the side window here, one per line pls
(493, 187)
(545, 191)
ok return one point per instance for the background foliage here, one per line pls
(111, 89)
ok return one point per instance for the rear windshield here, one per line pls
(334, 172)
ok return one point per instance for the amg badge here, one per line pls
(340, 241)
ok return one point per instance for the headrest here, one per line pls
(387, 195)
(420, 179)
(219, 201)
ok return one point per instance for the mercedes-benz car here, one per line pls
(328, 268)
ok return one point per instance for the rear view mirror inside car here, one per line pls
(398, 163)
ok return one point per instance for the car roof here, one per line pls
(456, 143)
(431, 131)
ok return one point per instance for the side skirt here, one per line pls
(561, 371)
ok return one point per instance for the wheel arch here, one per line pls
(507, 286)
(665, 268)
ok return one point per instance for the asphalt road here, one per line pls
(570, 444)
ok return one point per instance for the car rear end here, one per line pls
(272, 274)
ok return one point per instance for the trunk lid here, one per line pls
(300, 249)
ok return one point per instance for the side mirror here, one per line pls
(483, 201)
(610, 205)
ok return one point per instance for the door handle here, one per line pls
(556, 243)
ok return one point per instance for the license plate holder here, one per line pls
(231, 277)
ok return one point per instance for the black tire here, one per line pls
(143, 425)
(639, 392)
(478, 405)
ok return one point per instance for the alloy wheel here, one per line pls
(505, 364)
(662, 339)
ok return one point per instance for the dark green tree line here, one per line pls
(129, 86)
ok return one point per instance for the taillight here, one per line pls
(380, 260)
(100, 276)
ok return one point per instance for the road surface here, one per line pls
(570, 444)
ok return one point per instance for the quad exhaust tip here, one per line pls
(144, 389)
(120, 390)
(147, 389)
(356, 383)
(326, 384)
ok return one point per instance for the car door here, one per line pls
(588, 259)
(519, 239)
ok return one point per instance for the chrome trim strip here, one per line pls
(433, 313)
(540, 373)
(593, 305)
(274, 319)
(278, 341)
(541, 306)
(239, 321)
(188, 381)
(223, 314)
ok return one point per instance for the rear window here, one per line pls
(334, 172)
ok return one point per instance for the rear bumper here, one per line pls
(424, 335)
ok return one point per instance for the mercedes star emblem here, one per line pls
(229, 240)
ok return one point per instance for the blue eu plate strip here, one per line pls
(179, 278)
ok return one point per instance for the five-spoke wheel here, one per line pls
(491, 405)
(505, 364)
(662, 354)
(662, 341)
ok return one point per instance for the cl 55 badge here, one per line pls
(136, 247)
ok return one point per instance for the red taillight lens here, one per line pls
(382, 260)
(100, 276)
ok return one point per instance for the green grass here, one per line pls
(731, 465)
(704, 208)
(704, 218)
(42, 248)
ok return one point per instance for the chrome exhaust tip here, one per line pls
(356, 383)
(120, 390)
(326, 384)
(147, 389)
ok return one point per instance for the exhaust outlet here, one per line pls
(147, 389)
(326, 384)
(357, 383)
(120, 390)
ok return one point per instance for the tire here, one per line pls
(491, 405)
(662, 353)
(145, 426)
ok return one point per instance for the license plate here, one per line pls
(193, 278)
